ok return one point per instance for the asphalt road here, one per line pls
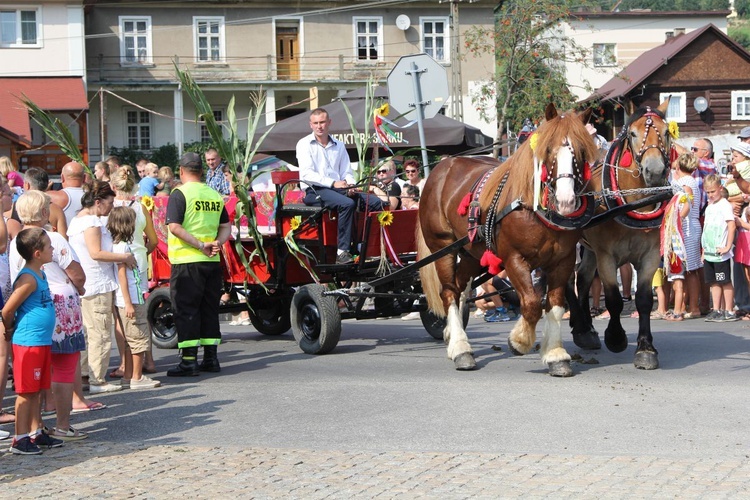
(388, 386)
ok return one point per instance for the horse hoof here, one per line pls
(465, 362)
(616, 341)
(645, 360)
(560, 369)
(587, 340)
(513, 350)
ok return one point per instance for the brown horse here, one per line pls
(637, 161)
(547, 170)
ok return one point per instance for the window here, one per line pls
(604, 54)
(19, 27)
(138, 126)
(135, 40)
(741, 105)
(435, 37)
(209, 39)
(676, 111)
(368, 38)
(219, 117)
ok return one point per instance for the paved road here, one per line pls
(386, 414)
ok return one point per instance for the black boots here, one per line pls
(210, 360)
(188, 366)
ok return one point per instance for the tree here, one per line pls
(743, 7)
(530, 55)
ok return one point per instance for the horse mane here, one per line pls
(550, 136)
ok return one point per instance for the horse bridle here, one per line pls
(649, 115)
(579, 175)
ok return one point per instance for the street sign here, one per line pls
(433, 81)
(418, 83)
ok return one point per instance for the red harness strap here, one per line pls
(470, 204)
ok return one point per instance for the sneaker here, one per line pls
(729, 316)
(102, 388)
(144, 383)
(411, 316)
(344, 258)
(44, 440)
(4, 435)
(25, 446)
(499, 316)
(715, 316)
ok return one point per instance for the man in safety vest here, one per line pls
(198, 225)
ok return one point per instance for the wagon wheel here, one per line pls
(435, 325)
(272, 317)
(316, 320)
(160, 316)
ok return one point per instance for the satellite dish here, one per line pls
(700, 104)
(403, 22)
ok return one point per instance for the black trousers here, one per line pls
(195, 290)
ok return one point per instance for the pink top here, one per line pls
(16, 177)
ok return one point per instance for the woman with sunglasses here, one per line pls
(411, 170)
(385, 188)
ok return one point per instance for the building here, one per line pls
(616, 39)
(42, 53)
(301, 54)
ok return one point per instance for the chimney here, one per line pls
(679, 31)
(669, 35)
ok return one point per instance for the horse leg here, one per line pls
(459, 349)
(614, 336)
(646, 355)
(553, 352)
(584, 334)
(523, 334)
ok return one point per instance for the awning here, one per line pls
(54, 94)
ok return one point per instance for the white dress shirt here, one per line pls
(323, 165)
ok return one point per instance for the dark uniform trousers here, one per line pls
(196, 306)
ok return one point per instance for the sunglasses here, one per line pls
(411, 171)
(383, 171)
(694, 149)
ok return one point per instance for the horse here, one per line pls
(637, 160)
(548, 171)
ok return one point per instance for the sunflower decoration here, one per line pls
(295, 222)
(383, 110)
(385, 218)
(674, 130)
(148, 203)
(533, 140)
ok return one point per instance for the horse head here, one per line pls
(564, 150)
(646, 136)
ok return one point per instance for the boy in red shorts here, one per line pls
(29, 317)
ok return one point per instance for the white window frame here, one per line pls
(736, 96)
(682, 117)
(446, 36)
(378, 36)
(18, 44)
(197, 37)
(148, 59)
(604, 64)
(139, 126)
(203, 131)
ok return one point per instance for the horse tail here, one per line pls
(430, 282)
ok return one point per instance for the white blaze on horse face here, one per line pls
(565, 198)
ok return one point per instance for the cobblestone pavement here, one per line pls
(98, 470)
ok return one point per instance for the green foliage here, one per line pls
(676, 5)
(164, 156)
(742, 7)
(741, 35)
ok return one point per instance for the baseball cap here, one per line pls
(743, 148)
(191, 160)
(744, 133)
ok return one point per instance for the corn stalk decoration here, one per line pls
(57, 131)
(230, 152)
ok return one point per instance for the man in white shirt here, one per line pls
(324, 167)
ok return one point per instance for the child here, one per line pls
(147, 186)
(29, 318)
(717, 240)
(11, 175)
(166, 181)
(129, 301)
(410, 200)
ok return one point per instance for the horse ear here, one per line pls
(665, 105)
(550, 111)
(585, 115)
(629, 107)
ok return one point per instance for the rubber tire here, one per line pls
(435, 325)
(274, 320)
(160, 315)
(316, 320)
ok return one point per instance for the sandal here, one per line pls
(634, 315)
(595, 311)
(116, 373)
(689, 315)
(674, 317)
(6, 417)
(70, 435)
(657, 315)
(93, 406)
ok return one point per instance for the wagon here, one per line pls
(302, 288)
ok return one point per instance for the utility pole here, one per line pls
(457, 103)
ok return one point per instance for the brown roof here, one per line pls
(647, 63)
(56, 94)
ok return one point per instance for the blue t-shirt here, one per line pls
(35, 318)
(147, 186)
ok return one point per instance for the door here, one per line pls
(287, 59)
